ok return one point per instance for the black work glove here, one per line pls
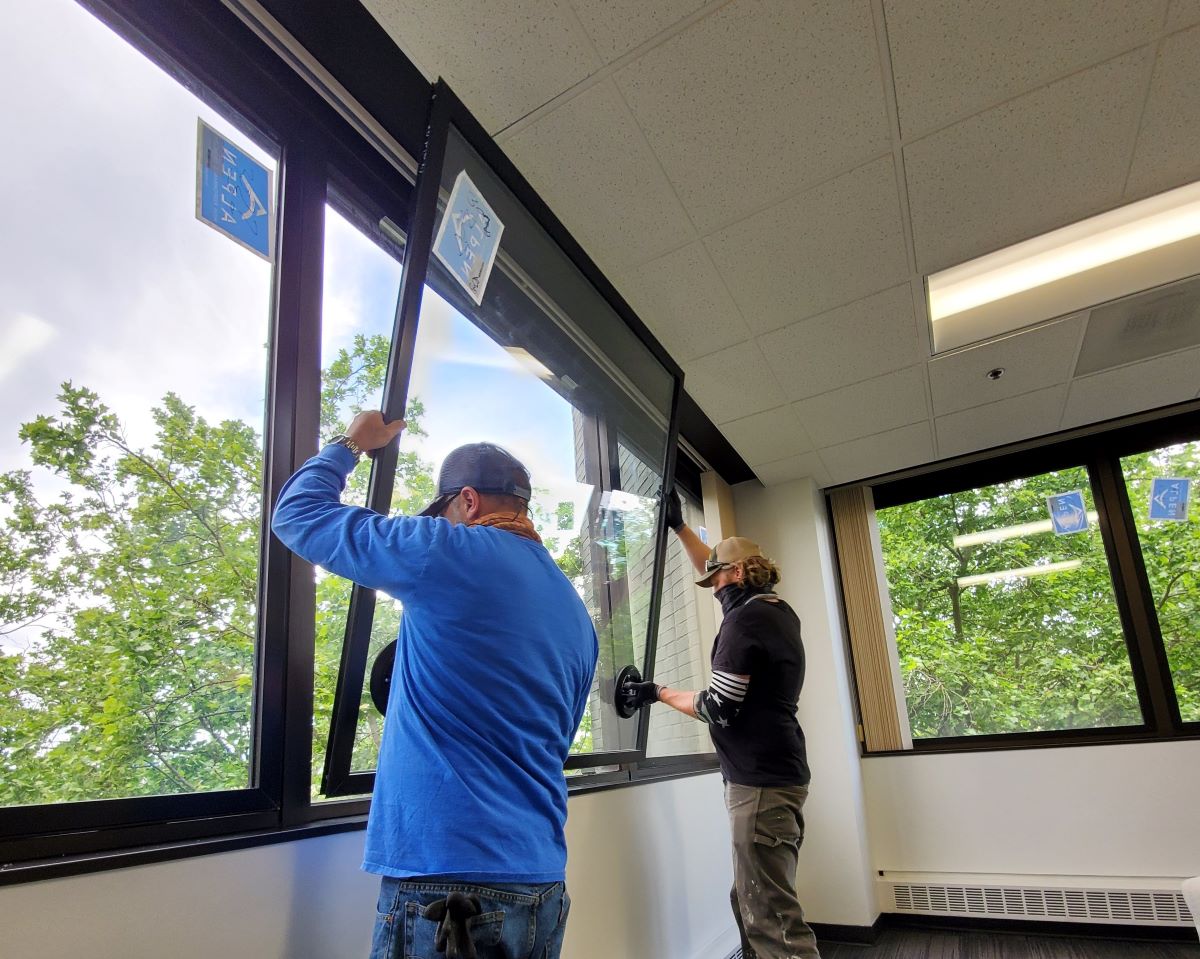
(674, 511)
(637, 695)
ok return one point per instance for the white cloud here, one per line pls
(20, 338)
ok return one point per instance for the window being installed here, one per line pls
(1004, 610)
(531, 358)
(132, 383)
(1163, 488)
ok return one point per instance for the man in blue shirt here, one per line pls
(493, 666)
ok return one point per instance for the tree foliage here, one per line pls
(128, 608)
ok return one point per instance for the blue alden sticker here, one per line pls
(469, 237)
(234, 192)
(1067, 513)
(1169, 499)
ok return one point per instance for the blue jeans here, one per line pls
(515, 921)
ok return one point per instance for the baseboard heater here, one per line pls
(1155, 901)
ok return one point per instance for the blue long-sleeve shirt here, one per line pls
(494, 662)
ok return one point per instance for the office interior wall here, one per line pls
(649, 876)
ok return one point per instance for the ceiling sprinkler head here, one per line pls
(996, 373)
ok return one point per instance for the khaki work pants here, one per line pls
(767, 825)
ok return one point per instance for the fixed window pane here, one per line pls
(1163, 486)
(132, 389)
(361, 278)
(682, 652)
(1002, 624)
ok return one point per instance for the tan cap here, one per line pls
(726, 553)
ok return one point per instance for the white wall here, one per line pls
(648, 875)
(835, 879)
(1128, 810)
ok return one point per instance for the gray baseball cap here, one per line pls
(485, 467)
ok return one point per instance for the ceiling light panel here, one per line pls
(1127, 250)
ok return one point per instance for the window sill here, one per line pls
(1054, 740)
(35, 870)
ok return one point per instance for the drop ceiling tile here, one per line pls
(1168, 144)
(752, 102)
(1005, 421)
(1036, 163)
(682, 299)
(828, 246)
(1032, 359)
(884, 403)
(1131, 389)
(504, 59)
(951, 59)
(875, 455)
(617, 26)
(855, 342)
(732, 383)
(1183, 14)
(793, 467)
(768, 436)
(584, 154)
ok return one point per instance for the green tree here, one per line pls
(128, 609)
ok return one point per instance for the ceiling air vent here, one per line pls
(1138, 327)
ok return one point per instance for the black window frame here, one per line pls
(448, 113)
(212, 51)
(1099, 449)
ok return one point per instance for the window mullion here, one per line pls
(1151, 671)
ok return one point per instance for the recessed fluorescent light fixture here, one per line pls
(1123, 251)
(986, 579)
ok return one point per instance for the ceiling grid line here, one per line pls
(1083, 331)
(608, 69)
(1151, 69)
(957, 118)
(892, 107)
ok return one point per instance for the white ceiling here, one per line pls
(768, 182)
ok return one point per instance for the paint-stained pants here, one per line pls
(768, 827)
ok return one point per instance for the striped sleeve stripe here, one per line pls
(725, 684)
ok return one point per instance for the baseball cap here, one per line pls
(726, 553)
(485, 467)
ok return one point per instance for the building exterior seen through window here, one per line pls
(1004, 610)
(133, 367)
(684, 647)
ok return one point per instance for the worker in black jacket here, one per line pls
(750, 708)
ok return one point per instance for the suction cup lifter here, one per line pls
(622, 699)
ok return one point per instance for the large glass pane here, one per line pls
(683, 649)
(361, 279)
(538, 362)
(1002, 624)
(591, 421)
(1168, 524)
(132, 382)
